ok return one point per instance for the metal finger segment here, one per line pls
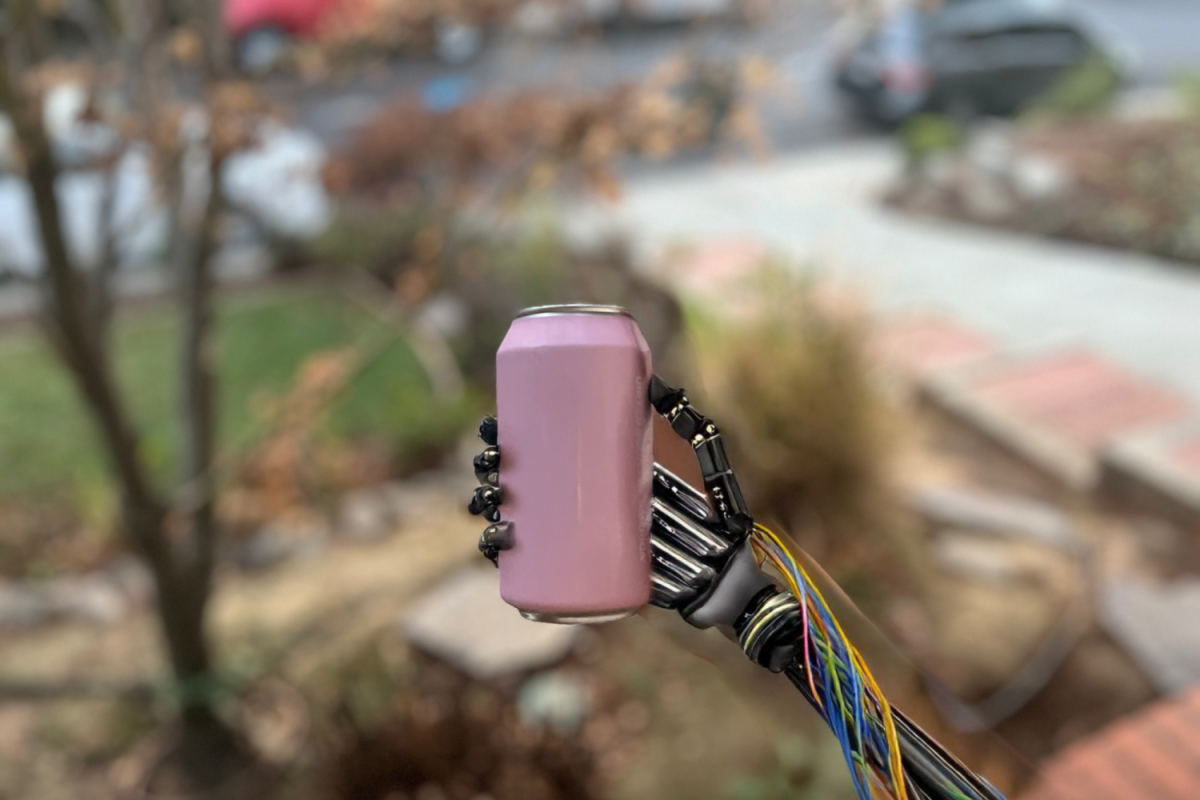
(675, 527)
(679, 566)
(666, 593)
(679, 493)
(719, 480)
(687, 550)
(682, 516)
(705, 438)
(687, 576)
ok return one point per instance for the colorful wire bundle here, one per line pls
(846, 695)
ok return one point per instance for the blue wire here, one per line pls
(866, 737)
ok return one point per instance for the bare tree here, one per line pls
(175, 533)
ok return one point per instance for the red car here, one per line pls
(298, 18)
(262, 30)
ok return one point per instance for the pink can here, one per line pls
(577, 449)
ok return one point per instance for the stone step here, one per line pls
(1058, 411)
(927, 344)
(1156, 470)
(1070, 414)
(993, 514)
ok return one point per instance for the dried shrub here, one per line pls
(512, 143)
(543, 268)
(382, 240)
(389, 25)
(1131, 185)
(329, 432)
(790, 381)
(1084, 91)
(1075, 174)
(42, 539)
(482, 279)
(279, 474)
(448, 737)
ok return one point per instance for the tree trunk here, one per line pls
(208, 749)
(208, 752)
(218, 52)
(193, 237)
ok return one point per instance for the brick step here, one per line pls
(1070, 414)
(1157, 469)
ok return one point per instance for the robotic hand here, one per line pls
(702, 562)
(704, 567)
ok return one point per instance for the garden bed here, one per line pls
(1130, 185)
(57, 507)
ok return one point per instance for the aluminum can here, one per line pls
(576, 459)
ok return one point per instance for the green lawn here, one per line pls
(48, 452)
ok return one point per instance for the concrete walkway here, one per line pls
(820, 210)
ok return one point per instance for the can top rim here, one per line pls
(574, 308)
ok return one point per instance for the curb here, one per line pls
(1146, 471)
(1055, 459)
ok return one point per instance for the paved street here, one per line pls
(1080, 360)
(803, 114)
(1162, 34)
(819, 208)
(793, 37)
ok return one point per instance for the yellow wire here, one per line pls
(781, 568)
(895, 759)
(894, 756)
(829, 657)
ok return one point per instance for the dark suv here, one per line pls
(965, 57)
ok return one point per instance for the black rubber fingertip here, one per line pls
(488, 460)
(485, 497)
(499, 535)
(489, 430)
(489, 552)
(662, 396)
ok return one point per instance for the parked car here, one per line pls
(263, 30)
(566, 15)
(454, 32)
(965, 57)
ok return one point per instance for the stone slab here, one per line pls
(463, 621)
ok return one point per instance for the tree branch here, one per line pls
(194, 242)
(437, 359)
(9, 272)
(67, 314)
(94, 23)
(110, 235)
(218, 54)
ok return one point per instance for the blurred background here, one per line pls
(932, 265)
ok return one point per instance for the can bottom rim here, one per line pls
(578, 617)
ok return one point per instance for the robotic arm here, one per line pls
(705, 551)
